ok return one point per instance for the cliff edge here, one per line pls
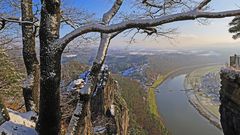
(230, 101)
(104, 112)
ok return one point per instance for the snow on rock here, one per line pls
(231, 72)
(19, 124)
(28, 115)
(70, 55)
(86, 90)
(112, 110)
(28, 82)
(104, 67)
(99, 130)
(75, 85)
(78, 81)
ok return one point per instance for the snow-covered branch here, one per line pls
(164, 5)
(106, 38)
(142, 23)
(5, 20)
(15, 20)
(68, 22)
(112, 12)
(102, 50)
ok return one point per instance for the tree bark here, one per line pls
(80, 123)
(101, 54)
(31, 87)
(105, 39)
(50, 59)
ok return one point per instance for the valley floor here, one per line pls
(206, 102)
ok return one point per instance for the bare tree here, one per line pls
(105, 38)
(52, 47)
(50, 59)
(30, 28)
(31, 87)
(84, 104)
(9, 18)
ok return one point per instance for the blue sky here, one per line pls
(191, 33)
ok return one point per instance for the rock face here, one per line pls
(4, 116)
(103, 113)
(121, 114)
(230, 101)
(109, 110)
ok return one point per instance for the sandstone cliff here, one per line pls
(109, 110)
(230, 101)
(105, 112)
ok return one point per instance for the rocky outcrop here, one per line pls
(104, 112)
(4, 115)
(121, 114)
(109, 109)
(230, 101)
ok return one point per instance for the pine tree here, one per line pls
(235, 27)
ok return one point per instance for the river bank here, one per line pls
(180, 117)
(199, 100)
(161, 78)
(193, 100)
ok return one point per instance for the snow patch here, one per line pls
(52, 74)
(99, 129)
(71, 55)
(231, 72)
(19, 124)
(86, 90)
(75, 85)
(112, 110)
(28, 82)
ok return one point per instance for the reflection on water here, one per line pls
(180, 117)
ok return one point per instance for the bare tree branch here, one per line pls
(203, 4)
(96, 67)
(155, 8)
(6, 41)
(113, 35)
(112, 12)
(142, 23)
(68, 22)
(105, 38)
(15, 20)
(2, 24)
(164, 5)
(75, 17)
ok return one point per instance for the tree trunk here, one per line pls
(101, 54)
(49, 116)
(31, 86)
(50, 67)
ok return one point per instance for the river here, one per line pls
(180, 117)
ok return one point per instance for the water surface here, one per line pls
(180, 117)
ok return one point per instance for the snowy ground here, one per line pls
(19, 124)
